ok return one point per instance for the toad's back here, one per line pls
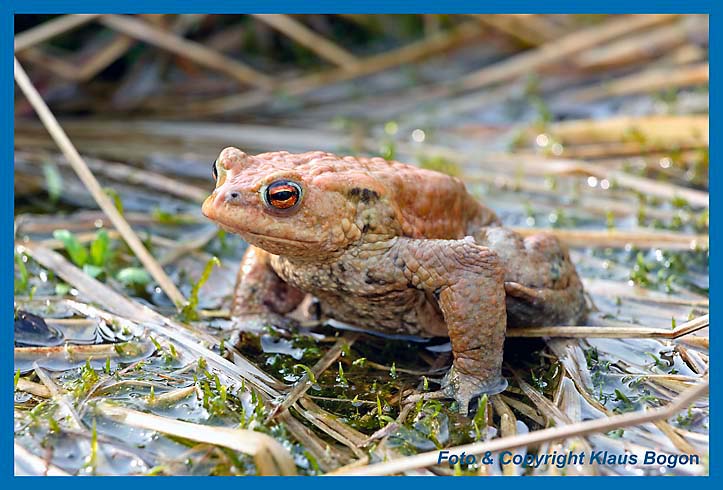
(427, 204)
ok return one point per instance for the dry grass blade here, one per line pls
(646, 81)
(172, 397)
(613, 289)
(27, 461)
(644, 185)
(189, 245)
(546, 27)
(84, 70)
(87, 177)
(678, 441)
(59, 394)
(132, 175)
(355, 437)
(76, 352)
(104, 57)
(333, 428)
(670, 131)
(50, 29)
(533, 165)
(515, 26)
(308, 38)
(620, 238)
(95, 291)
(57, 66)
(615, 332)
(437, 43)
(36, 389)
(638, 48)
(523, 408)
(188, 49)
(422, 460)
(88, 237)
(326, 455)
(508, 428)
(271, 458)
(559, 50)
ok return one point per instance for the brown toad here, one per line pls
(391, 248)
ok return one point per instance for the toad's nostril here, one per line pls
(233, 196)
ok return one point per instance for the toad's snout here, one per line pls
(221, 197)
(208, 207)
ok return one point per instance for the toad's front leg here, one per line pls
(468, 282)
(261, 297)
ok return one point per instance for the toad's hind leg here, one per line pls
(261, 296)
(541, 282)
(468, 282)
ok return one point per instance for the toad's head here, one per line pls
(281, 203)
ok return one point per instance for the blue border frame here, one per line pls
(10, 7)
(360, 6)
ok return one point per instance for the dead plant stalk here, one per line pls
(93, 186)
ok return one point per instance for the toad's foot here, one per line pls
(464, 387)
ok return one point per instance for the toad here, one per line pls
(390, 248)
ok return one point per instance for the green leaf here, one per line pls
(189, 309)
(92, 270)
(21, 284)
(679, 202)
(53, 182)
(91, 462)
(156, 344)
(480, 418)
(308, 370)
(133, 276)
(113, 194)
(100, 249)
(77, 252)
(341, 378)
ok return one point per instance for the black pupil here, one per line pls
(214, 170)
(282, 195)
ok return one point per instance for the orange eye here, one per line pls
(282, 194)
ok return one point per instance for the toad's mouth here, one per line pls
(233, 227)
(277, 238)
(243, 233)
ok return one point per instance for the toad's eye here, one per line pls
(214, 170)
(282, 194)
